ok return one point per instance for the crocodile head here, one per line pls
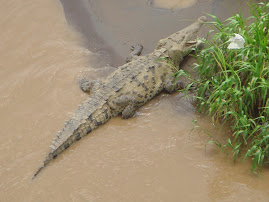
(180, 43)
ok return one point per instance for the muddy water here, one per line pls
(123, 23)
(150, 157)
(173, 4)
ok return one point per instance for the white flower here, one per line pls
(237, 42)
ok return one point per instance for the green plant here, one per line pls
(233, 83)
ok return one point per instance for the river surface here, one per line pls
(157, 155)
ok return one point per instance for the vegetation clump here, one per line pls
(233, 84)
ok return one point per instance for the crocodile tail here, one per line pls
(87, 117)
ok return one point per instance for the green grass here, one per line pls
(233, 85)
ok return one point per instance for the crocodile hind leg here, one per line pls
(136, 51)
(171, 86)
(87, 86)
(127, 102)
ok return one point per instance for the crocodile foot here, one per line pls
(87, 86)
(136, 51)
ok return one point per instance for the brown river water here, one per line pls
(45, 48)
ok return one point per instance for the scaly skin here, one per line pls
(129, 87)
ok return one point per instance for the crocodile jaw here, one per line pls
(182, 42)
(191, 45)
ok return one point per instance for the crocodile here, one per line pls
(127, 88)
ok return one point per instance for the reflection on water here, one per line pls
(150, 157)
